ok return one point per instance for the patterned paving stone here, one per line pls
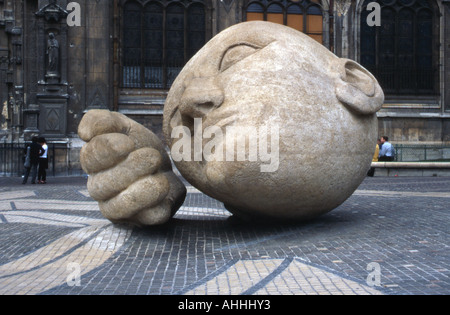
(390, 237)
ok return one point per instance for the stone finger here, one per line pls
(109, 183)
(159, 214)
(105, 151)
(144, 137)
(142, 194)
(100, 121)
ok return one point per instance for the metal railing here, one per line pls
(421, 153)
(406, 80)
(151, 75)
(60, 157)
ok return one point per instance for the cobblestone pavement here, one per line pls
(390, 237)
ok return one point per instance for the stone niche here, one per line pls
(52, 92)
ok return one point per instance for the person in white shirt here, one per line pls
(43, 162)
(387, 150)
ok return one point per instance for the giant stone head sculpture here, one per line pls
(317, 110)
(263, 118)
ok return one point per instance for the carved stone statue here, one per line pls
(53, 56)
(263, 118)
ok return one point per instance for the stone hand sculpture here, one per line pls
(130, 173)
(263, 118)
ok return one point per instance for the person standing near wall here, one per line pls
(371, 172)
(43, 162)
(35, 152)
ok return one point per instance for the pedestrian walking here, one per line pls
(371, 172)
(35, 153)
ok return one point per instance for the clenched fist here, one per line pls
(130, 173)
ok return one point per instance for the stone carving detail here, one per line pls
(53, 120)
(97, 100)
(227, 4)
(4, 61)
(52, 12)
(342, 6)
(52, 56)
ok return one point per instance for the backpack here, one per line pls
(27, 162)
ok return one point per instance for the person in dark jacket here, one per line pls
(35, 152)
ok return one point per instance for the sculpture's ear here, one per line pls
(358, 89)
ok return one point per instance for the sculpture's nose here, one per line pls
(201, 96)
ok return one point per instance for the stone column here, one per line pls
(341, 8)
(446, 44)
(446, 76)
(4, 113)
(226, 13)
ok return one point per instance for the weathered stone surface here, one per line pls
(259, 75)
(130, 173)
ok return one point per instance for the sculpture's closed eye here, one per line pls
(235, 54)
